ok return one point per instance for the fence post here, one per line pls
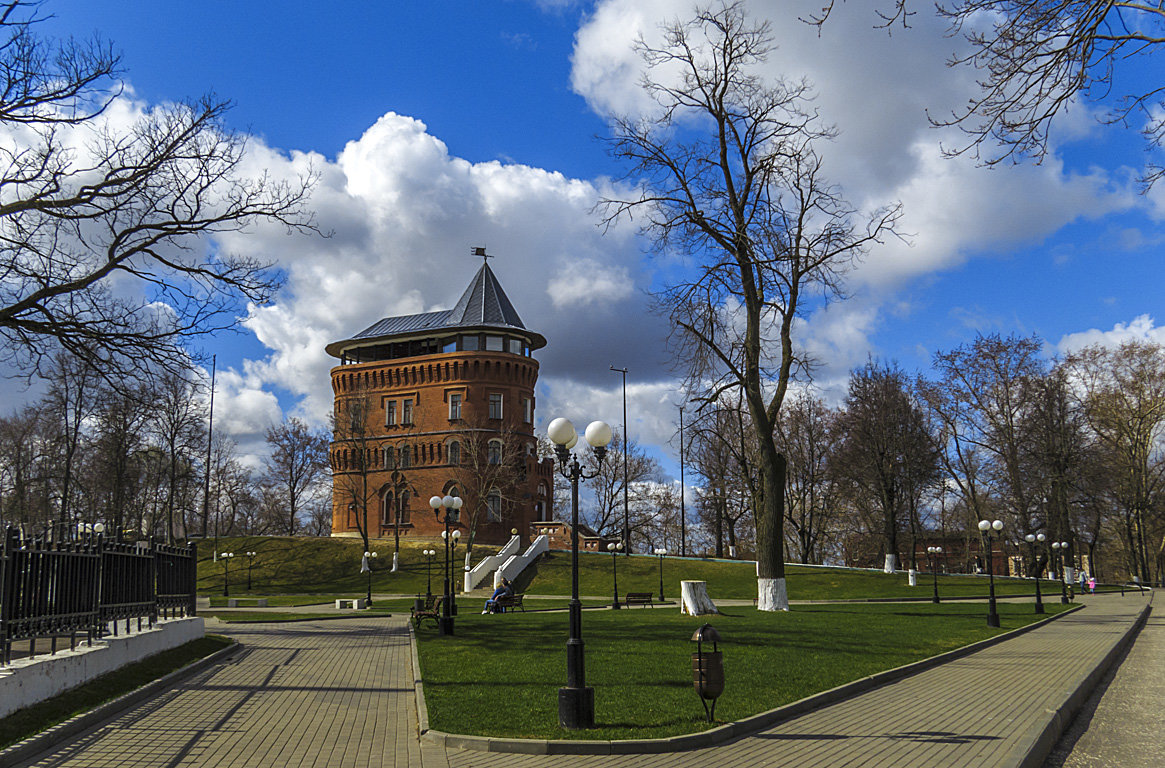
(192, 580)
(5, 599)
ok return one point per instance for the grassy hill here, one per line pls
(325, 566)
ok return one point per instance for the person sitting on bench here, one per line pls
(504, 589)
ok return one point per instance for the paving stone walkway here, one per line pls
(1120, 725)
(340, 694)
(310, 694)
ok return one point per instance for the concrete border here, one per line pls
(722, 733)
(1045, 734)
(34, 745)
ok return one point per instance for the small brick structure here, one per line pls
(558, 534)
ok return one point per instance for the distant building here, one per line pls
(557, 534)
(439, 403)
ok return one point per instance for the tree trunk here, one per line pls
(772, 594)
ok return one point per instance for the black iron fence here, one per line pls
(54, 587)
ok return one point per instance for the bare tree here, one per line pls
(122, 419)
(297, 464)
(179, 427)
(606, 514)
(358, 456)
(492, 465)
(743, 195)
(99, 224)
(886, 454)
(70, 401)
(809, 436)
(1036, 59)
(1125, 407)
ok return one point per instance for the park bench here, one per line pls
(509, 601)
(429, 612)
(258, 602)
(638, 598)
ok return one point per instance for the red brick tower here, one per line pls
(434, 404)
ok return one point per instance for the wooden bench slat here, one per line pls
(638, 598)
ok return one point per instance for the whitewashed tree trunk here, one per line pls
(771, 595)
(891, 564)
(694, 599)
(732, 551)
(394, 563)
(912, 577)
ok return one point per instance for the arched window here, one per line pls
(404, 507)
(495, 452)
(406, 456)
(387, 510)
(493, 504)
(455, 452)
(389, 457)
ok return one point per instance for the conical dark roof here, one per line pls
(484, 303)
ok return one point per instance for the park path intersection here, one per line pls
(340, 694)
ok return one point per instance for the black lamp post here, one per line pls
(226, 572)
(451, 504)
(615, 548)
(626, 476)
(429, 573)
(366, 567)
(576, 702)
(250, 564)
(1059, 548)
(988, 528)
(661, 552)
(1031, 542)
(933, 553)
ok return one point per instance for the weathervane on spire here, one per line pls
(479, 250)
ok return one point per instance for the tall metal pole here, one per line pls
(206, 481)
(683, 510)
(626, 474)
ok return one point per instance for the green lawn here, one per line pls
(320, 566)
(314, 570)
(737, 580)
(499, 676)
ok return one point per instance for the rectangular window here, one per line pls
(449, 346)
(494, 344)
(390, 413)
(515, 346)
(469, 343)
(389, 457)
(406, 416)
(528, 410)
(454, 407)
(495, 406)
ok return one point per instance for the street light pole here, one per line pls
(615, 548)
(226, 573)
(429, 573)
(576, 702)
(986, 528)
(1031, 542)
(451, 505)
(626, 474)
(661, 552)
(367, 566)
(683, 509)
(1059, 547)
(250, 563)
(933, 553)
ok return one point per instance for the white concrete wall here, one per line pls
(517, 563)
(28, 681)
(477, 574)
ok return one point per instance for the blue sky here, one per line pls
(439, 125)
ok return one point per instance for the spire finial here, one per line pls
(479, 250)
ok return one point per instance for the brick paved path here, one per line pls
(976, 712)
(1121, 725)
(340, 694)
(301, 694)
